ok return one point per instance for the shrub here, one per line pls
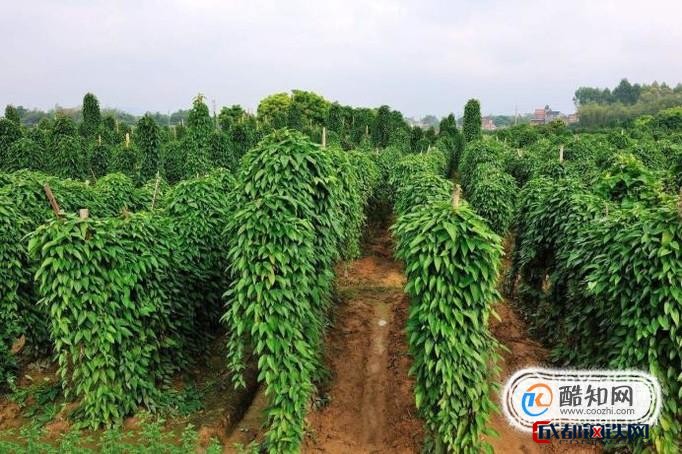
(105, 285)
(492, 195)
(451, 262)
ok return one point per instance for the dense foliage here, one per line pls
(104, 285)
(286, 235)
(451, 262)
(471, 129)
(605, 248)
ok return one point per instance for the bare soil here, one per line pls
(371, 404)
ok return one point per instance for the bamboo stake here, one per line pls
(52, 200)
(127, 140)
(561, 153)
(156, 189)
(456, 194)
(324, 137)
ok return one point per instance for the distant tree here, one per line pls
(429, 120)
(626, 93)
(179, 117)
(147, 138)
(230, 116)
(12, 114)
(448, 127)
(308, 108)
(273, 110)
(33, 117)
(472, 120)
(587, 95)
(92, 116)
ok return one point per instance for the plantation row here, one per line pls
(596, 265)
(101, 145)
(301, 208)
(451, 261)
(122, 300)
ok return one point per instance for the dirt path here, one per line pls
(371, 405)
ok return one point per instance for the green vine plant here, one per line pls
(606, 251)
(104, 284)
(294, 219)
(451, 262)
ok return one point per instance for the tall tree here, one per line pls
(92, 116)
(147, 137)
(230, 116)
(626, 93)
(273, 110)
(472, 120)
(12, 114)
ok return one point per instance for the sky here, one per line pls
(420, 57)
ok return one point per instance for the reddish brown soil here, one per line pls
(371, 406)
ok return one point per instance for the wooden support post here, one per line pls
(156, 189)
(324, 137)
(127, 140)
(52, 200)
(99, 139)
(561, 153)
(456, 194)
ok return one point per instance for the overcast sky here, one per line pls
(420, 57)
